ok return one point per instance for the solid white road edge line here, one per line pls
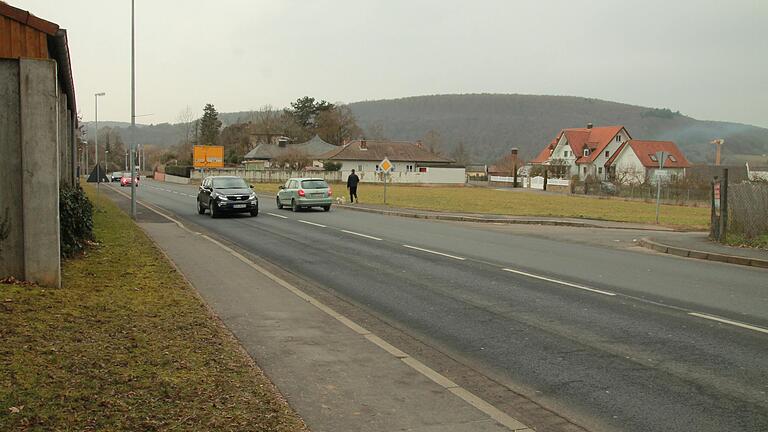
(277, 215)
(468, 397)
(312, 223)
(573, 285)
(434, 252)
(361, 235)
(727, 321)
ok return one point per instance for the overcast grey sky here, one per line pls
(708, 59)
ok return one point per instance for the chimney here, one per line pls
(513, 155)
(589, 125)
(363, 144)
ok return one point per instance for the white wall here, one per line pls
(433, 175)
(629, 169)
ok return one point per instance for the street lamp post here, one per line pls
(96, 141)
(133, 114)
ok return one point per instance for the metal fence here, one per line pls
(748, 209)
(670, 193)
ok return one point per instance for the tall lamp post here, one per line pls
(133, 114)
(96, 141)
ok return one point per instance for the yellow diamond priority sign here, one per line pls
(386, 166)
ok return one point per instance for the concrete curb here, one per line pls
(711, 256)
(460, 218)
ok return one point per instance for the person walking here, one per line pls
(352, 182)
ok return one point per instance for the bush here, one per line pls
(331, 165)
(75, 219)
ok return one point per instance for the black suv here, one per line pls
(226, 194)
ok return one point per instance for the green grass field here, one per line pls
(522, 203)
(126, 345)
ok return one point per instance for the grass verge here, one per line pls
(126, 345)
(522, 203)
(739, 240)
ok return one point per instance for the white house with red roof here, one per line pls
(635, 161)
(582, 152)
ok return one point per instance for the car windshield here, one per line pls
(229, 183)
(314, 184)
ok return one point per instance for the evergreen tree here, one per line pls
(209, 125)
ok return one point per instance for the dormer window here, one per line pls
(607, 153)
(672, 158)
(363, 145)
(653, 158)
(586, 152)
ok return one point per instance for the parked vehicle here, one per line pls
(116, 176)
(299, 193)
(125, 180)
(226, 194)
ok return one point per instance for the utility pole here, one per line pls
(96, 140)
(133, 113)
(660, 156)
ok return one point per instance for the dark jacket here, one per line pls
(352, 180)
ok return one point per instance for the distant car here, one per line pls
(125, 180)
(299, 193)
(608, 188)
(116, 176)
(226, 194)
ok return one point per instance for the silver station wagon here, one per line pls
(299, 193)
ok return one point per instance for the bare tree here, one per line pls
(293, 159)
(337, 124)
(433, 141)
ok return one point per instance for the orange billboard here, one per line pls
(208, 156)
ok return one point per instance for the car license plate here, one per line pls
(239, 206)
(317, 195)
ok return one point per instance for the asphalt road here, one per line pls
(612, 339)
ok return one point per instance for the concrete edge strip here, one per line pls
(458, 218)
(696, 254)
(470, 398)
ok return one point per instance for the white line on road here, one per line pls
(727, 321)
(277, 215)
(559, 282)
(434, 252)
(312, 223)
(361, 235)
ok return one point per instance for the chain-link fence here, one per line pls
(748, 209)
(670, 193)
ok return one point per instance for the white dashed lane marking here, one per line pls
(361, 235)
(727, 321)
(434, 252)
(277, 216)
(312, 223)
(572, 285)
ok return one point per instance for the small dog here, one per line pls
(340, 200)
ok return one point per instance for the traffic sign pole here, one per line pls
(660, 156)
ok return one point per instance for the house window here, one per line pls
(422, 169)
(565, 153)
(672, 158)
(377, 168)
(607, 153)
(409, 168)
(599, 170)
(585, 170)
(618, 138)
(360, 168)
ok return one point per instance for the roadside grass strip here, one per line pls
(126, 345)
(520, 202)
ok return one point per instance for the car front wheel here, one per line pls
(326, 208)
(212, 207)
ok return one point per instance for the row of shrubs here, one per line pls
(178, 170)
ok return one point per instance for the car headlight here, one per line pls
(252, 196)
(222, 197)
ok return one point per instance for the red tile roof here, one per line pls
(595, 139)
(402, 151)
(645, 149)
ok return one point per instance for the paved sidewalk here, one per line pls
(697, 245)
(337, 377)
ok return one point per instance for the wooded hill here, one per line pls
(490, 124)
